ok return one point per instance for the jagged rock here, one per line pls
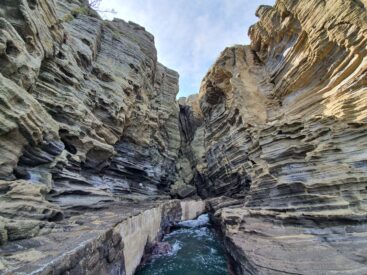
(270, 242)
(86, 108)
(90, 131)
(285, 129)
(232, 99)
(162, 249)
(190, 164)
(25, 211)
(185, 191)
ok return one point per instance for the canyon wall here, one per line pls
(88, 115)
(286, 138)
(91, 134)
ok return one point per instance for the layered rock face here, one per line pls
(88, 115)
(276, 139)
(286, 135)
(191, 157)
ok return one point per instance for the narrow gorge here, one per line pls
(98, 160)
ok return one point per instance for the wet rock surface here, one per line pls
(161, 248)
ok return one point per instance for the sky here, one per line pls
(189, 34)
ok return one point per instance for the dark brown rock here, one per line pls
(162, 248)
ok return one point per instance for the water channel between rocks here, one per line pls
(195, 249)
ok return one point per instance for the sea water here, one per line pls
(196, 250)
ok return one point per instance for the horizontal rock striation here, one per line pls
(285, 135)
(190, 168)
(92, 141)
(88, 115)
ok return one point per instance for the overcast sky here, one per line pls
(190, 34)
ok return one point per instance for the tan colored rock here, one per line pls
(25, 211)
(269, 242)
(192, 209)
(89, 121)
(135, 233)
(22, 199)
(86, 108)
(285, 132)
(22, 124)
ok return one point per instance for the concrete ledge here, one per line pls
(109, 241)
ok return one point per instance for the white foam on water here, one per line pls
(181, 231)
(175, 248)
(201, 232)
(200, 221)
(213, 251)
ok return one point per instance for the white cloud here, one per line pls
(190, 35)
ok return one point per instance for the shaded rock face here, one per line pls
(285, 137)
(86, 109)
(88, 116)
(190, 164)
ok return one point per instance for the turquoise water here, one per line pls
(197, 250)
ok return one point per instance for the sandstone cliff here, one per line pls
(88, 115)
(89, 138)
(286, 134)
(91, 134)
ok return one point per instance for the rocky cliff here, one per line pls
(93, 142)
(88, 115)
(286, 135)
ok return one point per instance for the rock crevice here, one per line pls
(275, 139)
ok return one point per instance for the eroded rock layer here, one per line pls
(88, 115)
(286, 136)
(189, 173)
(277, 135)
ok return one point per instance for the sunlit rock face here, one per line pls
(276, 139)
(285, 117)
(86, 110)
(285, 134)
